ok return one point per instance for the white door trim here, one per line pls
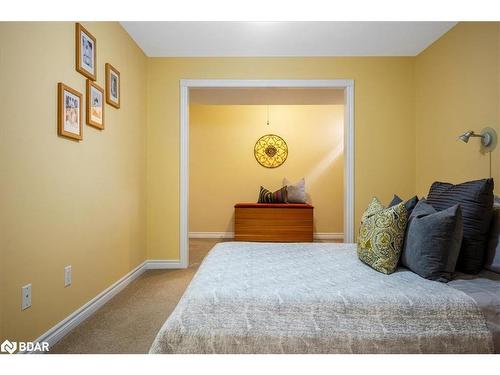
(186, 84)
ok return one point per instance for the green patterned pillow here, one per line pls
(373, 207)
(381, 236)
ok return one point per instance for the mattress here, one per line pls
(316, 298)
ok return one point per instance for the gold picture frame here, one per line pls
(113, 86)
(95, 105)
(86, 52)
(69, 112)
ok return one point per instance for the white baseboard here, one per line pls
(161, 264)
(61, 329)
(211, 234)
(328, 236)
(317, 236)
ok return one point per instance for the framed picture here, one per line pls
(95, 105)
(69, 112)
(112, 86)
(86, 52)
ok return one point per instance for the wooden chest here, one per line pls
(267, 222)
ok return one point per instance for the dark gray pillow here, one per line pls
(432, 242)
(493, 250)
(476, 202)
(409, 204)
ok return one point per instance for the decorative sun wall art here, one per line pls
(270, 151)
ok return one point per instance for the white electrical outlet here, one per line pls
(67, 276)
(25, 296)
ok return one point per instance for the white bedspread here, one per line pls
(316, 298)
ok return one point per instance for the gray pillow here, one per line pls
(296, 192)
(409, 204)
(432, 242)
(493, 250)
(476, 202)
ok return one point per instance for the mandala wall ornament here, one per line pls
(270, 151)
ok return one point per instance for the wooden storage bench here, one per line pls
(266, 222)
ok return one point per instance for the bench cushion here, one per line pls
(272, 205)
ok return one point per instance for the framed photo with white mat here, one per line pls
(113, 84)
(69, 112)
(95, 105)
(86, 52)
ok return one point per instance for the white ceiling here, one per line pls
(190, 39)
(265, 96)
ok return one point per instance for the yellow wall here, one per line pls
(223, 169)
(457, 89)
(64, 202)
(384, 116)
(97, 203)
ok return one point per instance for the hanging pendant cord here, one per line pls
(268, 115)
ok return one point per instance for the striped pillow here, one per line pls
(476, 201)
(266, 196)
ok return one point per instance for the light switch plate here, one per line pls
(67, 276)
(25, 296)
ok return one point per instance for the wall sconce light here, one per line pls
(488, 138)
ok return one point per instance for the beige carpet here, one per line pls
(129, 322)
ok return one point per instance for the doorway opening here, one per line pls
(315, 116)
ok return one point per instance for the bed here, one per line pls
(319, 298)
